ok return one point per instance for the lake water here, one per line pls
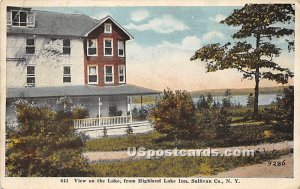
(263, 99)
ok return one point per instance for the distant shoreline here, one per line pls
(218, 92)
(245, 91)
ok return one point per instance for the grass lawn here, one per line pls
(245, 111)
(121, 142)
(243, 131)
(239, 135)
(179, 166)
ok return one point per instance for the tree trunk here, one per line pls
(256, 89)
(256, 92)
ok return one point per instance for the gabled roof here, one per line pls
(79, 90)
(57, 24)
(62, 24)
(104, 20)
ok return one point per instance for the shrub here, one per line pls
(79, 111)
(175, 115)
(214, 124)
(143, 113)
(140, 114)
(222, 122)
(135, 113)
(129, 130)
(104, 132)
(34, 118)
(45, 144)
(281, 116)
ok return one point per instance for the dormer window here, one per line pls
(107, 28)
(21, 18)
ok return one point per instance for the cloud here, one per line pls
(139, 15)
(212, 36)
(165, 24)
(218, 18)
(187, 43)
(191, 42)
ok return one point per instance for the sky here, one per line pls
(166, 37)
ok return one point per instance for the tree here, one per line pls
(202, 103)
(45, 144)
(282, 115)
(209, 100)
(222, 122)
(227, 99)
(285, 110)
(254, 61)
(250, 100)
(175, 115)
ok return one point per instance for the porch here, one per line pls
(110, 107)
(114, 122)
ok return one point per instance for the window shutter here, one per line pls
(31, 20)
(9, 18)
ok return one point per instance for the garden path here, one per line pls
(112, 156)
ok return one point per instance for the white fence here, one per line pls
(101, 122)
(12, 125)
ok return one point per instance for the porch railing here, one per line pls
(103, 121)
(12, 125)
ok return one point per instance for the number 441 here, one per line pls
(276, 163)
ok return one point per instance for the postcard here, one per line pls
(142, 94)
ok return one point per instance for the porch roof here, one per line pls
(79, 90)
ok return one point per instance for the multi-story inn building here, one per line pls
(53, 55)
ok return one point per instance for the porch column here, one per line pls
(129, 107)
(99, 110)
